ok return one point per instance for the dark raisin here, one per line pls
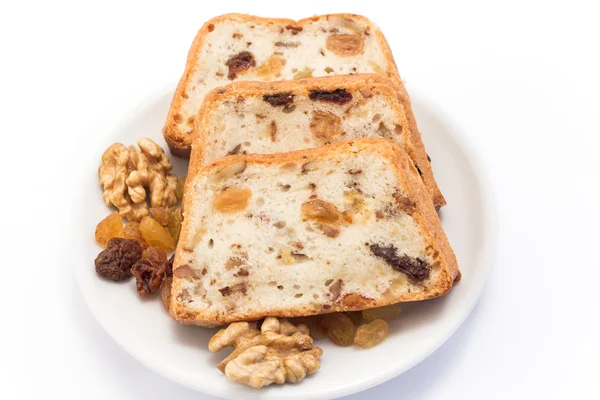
(415, 268)
(150, 271)
(418, 170)
(115, 261)
(148, 276)
(279, 99)
(428, 158)
(337, 96)
(239, 62)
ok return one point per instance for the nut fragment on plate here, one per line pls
(280, 352)
(125, 173)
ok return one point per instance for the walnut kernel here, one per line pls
(279, 352)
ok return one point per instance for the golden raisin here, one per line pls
(371, 334)
(356, 200)
(339, 328)
(271, 68)
(160, 215)
(304, 73)
(321, 211)
(314, 324)
(386, 312)
(132, 231)
(325, 125)
(110, 227)
(155, 235)
(174, 224)
(179, 188)
(345, 45)
(231, 200)
(355, 316)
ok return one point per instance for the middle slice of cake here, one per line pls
(276, 117)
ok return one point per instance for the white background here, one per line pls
(521, 78)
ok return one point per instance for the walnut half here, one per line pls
(125, 173)
(280, 352)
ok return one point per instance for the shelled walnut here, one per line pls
(128, 175)
(280, 352)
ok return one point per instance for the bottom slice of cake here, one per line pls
(342, 227)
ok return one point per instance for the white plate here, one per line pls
(144, 329)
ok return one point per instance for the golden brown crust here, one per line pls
(425, 216)
(178, 148)
(417, 150)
